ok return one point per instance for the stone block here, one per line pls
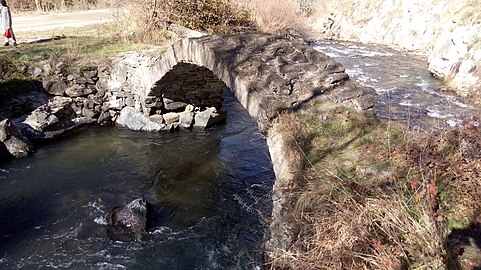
(156, 118)
(170, 118)
(132, 119)
(175, 106)
(18, 147)
(186, 119)
(6, 129)
(208, 118)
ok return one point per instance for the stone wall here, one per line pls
(448, 31)
(190, 84)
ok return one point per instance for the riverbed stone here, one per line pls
(175, 106)
(90, 113)
(73, 76)
(57, 88)
(208, 118)
(186, 119)
(79, 91)
(6, 129)
(18, 147)
(131, 118)
(35, 71)
(55, 113)
(131, 217)
(113, 103)
(92, 74)
(104, 118)
(152, 127)
(364, 102)
(157, 118)
(170, 118)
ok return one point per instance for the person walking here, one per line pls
(7, 23)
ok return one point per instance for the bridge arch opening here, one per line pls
(187, 95)
(186, 84)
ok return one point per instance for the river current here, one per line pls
(406, 90)
(206, 188)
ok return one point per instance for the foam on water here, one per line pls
(401, 81)
(101, 220)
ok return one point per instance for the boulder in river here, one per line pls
(130, 218)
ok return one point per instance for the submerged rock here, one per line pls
(131, 217)
(12, 142)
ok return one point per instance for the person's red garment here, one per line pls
(7, 33)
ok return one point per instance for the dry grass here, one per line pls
(349, 232)
(275, 16)
(378, 196)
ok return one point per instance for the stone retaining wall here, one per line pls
(447, 31)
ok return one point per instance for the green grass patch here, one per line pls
(75, 47)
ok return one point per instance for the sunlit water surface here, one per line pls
(406, 90)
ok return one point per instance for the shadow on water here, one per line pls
(20, 217)
(53, 204)
(464, 248)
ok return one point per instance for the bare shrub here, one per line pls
(22, 5)
(54, 5)
(139, 21)
(275, 16)
(215, 16)
(148, 21)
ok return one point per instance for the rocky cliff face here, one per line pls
(448, 31)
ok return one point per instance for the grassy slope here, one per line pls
(75, 47)
(377, 196)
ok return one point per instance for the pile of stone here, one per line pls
(87, 96)
(190, 117)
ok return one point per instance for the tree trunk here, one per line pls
(38, 5)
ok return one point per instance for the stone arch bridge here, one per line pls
(268, 74)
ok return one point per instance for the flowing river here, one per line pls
(206, 188)
(209, 189)
(406, 90)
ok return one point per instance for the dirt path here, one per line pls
(33, 22)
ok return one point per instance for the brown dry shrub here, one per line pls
(149, 21)
(214, 16)
(397, 205)
(139, 22)
(275, 16)
(29, 5)
(22, 5)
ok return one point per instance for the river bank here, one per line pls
(445, 31)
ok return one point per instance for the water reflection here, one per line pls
(53, 204)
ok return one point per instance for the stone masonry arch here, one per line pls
(270, 75)
(267, 73)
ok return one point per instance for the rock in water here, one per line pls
(131, 217)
